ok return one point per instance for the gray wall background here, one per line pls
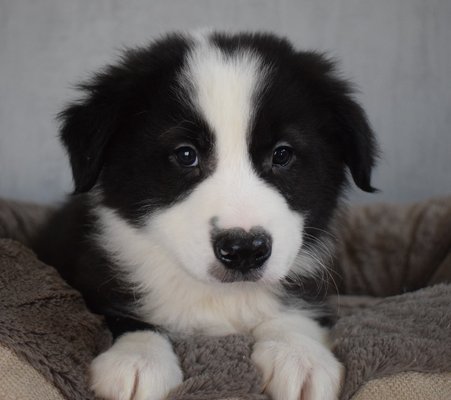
(397, 51)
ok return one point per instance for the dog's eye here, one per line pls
(186, 156)
(282, 156)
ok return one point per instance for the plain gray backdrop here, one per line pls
(397, 51)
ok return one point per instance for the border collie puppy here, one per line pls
(207, 169)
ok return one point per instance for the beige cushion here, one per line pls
(407, 386)
(20, 381)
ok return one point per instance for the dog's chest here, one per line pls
(209, 310)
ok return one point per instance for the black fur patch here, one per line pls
(123, 135)
(306, 105)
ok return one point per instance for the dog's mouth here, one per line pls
(226, 275)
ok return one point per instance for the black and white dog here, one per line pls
(207, 167)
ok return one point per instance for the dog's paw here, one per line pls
(139, 366)
(301, 369)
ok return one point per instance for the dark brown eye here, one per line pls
(282, 156)
(186, 156)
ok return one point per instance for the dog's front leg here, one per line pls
(292, 354)
(140, 366)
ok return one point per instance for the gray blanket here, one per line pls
(46, 323)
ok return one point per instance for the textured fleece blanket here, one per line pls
(383, 252)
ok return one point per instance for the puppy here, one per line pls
(207, 169)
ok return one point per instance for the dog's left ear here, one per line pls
(357, 139)
(347, 124)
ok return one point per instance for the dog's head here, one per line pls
(227, 153)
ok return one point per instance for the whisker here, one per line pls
(322, 245)
(328, 233)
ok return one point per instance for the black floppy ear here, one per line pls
(348, 125)
(86, 128)
(358, 142)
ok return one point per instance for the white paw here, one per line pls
(139, 366)
(299, 369)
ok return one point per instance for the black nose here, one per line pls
(241, 250)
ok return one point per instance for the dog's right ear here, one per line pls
(86, 129)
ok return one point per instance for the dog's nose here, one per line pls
(241, 250)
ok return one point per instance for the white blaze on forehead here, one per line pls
(223, 88)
